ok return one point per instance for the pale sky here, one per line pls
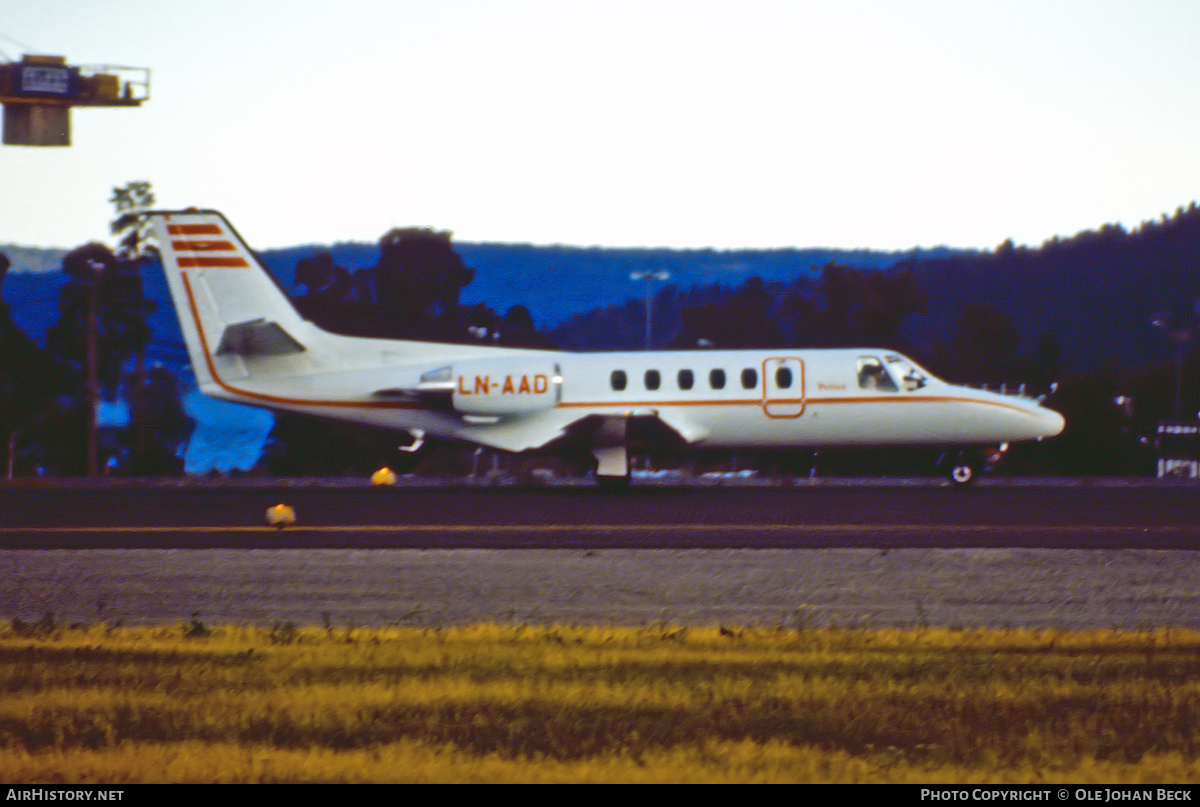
(688, 123)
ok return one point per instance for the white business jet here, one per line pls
(248, 344)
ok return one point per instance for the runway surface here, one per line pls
(829, 515)
(845, 554)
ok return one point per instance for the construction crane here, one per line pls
(38, 93)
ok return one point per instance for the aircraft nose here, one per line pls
(1050, 423)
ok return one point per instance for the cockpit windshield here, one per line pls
(872, 375)
(910, 376)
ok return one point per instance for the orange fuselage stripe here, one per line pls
(758, 402)
(276, 399)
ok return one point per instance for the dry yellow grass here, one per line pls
(503, 703)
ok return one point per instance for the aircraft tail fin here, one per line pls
(246, 340)
(229, 308)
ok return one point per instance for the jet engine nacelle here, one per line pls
(497, 387)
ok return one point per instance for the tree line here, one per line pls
(95, 351)
(412, 292)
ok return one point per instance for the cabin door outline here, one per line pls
(783, 387)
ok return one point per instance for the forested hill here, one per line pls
(554, 282)
(558, 282)
(1083, 303)
(1091, 297)
(1095, 294)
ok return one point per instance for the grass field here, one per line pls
(508, 703)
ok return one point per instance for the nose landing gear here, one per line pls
(962, 467)
(962, 473)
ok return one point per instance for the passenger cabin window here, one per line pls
(653, 379)
(619, 380)
(783, 378)
(687, 379)
(716, 379)
(749, 378)
(874, 376)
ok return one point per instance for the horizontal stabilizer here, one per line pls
(257, 337)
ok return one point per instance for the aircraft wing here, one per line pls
(658, 427)
(689, 430)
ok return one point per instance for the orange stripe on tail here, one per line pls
(194, 229)
(201, 246)
(202, 261)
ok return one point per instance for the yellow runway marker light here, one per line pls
(280, 516)
(383, 477)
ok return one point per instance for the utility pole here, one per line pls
(92, 359)
(130, 200)
(1180, 337)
